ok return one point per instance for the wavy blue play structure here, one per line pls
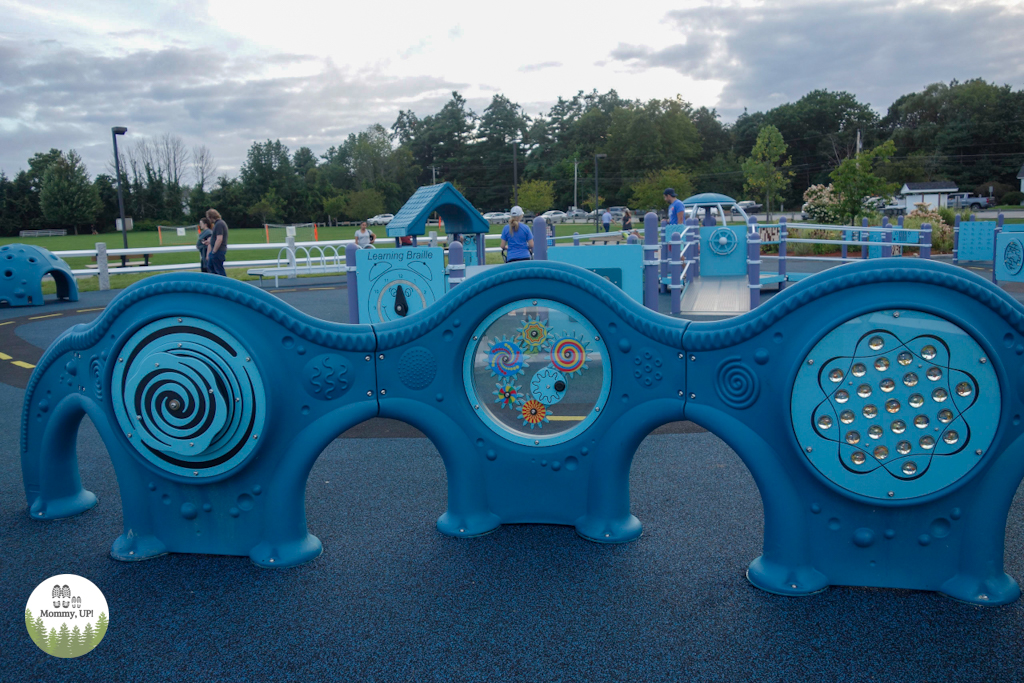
(878, 409)
(23, 267)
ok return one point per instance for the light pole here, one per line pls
(114, 132)
(515, 172)
(597, 202)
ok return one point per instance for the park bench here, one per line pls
(42, 233)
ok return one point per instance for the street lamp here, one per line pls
(115, 131)
(597, 203)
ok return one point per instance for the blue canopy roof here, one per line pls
(708, 199)
(458, 214)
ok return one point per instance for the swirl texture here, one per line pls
(736, 384)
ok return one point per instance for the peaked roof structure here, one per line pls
(458, 214)
(938, 186)
(708, 199)
(1020, 173)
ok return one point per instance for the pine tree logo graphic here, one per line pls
(67, 616)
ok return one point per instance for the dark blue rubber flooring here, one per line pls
(391, 599)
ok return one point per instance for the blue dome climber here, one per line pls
(22, 267)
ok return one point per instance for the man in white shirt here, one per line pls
(606, 220)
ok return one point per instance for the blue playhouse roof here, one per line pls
(458, 214)
(708, 199)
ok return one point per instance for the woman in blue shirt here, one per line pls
(517, 238)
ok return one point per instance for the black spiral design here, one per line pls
(188, 397)
(737, 384)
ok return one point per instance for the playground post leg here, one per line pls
(956, 240)
(783, 235)
(266, 232)
(691, 262)
(290, 245)
(540, 244)
(864, 236)
(651, 261)
(995, 247)
(754, 266)
(926, 241)
(102, 266)
(575, 239)
(676, 264)
(456, 265)
(351, 284)
(887, 241)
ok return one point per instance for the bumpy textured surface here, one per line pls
(22, 267)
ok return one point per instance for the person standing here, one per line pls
(606, 220)
(676, 210)
(627, 222)
(517, 238)
(218, 243)
(203, 243)
(364, 236)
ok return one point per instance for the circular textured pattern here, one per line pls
(722, 241)
(737, 384)
(506, 359)
(188, 397)
(648, 368)
(563, 394)
(548, 386)
(569, 355)
(326, 377)
(925, 432)
(533, 335)
(1013, 256)
(96, 373)
(417, 368)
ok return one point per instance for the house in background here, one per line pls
(934, 194)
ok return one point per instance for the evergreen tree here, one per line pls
(52, 643)
(855, 180)
(33, 631)
(64, 642)
(67, 196)
(41, 630)
(77, 642)
(88, 637)
(101, 627)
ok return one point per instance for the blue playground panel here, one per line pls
(723, 250)
(1009, 257)
(395, 283)
(469, 250)
(874, 406)
(22, 268)
(620, 264)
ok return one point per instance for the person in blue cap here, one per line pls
(517, 238)
(676, 210)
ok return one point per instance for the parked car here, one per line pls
(496, 217)
(965, 200)
(380, 219)
(749, 206)
(575, 213)
(554, 216)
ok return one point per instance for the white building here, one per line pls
(933, 194)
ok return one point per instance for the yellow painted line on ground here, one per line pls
(282, 291)
(40, 317)
(22, 364)
(9, 322)
(566, 418)
(312, 288)
(89, 310)
(4, 356)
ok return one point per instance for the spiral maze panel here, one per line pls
(564, 363)
(896, 405)
(188, 397)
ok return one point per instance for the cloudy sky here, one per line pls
(225, 72)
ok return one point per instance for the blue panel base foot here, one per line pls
(783, 580)
(280, 555)
(68, 506)
(603, 530)
(130, 547)
(467, 526)
(998, 590)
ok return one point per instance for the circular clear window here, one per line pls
(536, 372)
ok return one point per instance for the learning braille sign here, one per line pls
(395, 283)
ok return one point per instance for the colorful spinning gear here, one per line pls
(534, 413)
(548, 386)
(569, 355)
(509, 395)
(533, 335)
(506, 359)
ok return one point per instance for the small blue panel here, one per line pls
(723, 251)
(976, 240)
(395, 283)
(1009, 257)
(469, 250)
(620, 264)
(458, 214)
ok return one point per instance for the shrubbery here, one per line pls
(1013, 198)
(822, 204)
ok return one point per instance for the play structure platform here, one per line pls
(716, 295)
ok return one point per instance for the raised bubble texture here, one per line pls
(864, 390)
(921, 421)
(909, 467)
(951, 437)
(926, 443)
(882, 364)
(858, 370)
(945, 416)
(939, 395)
(876, 344)
(824, 422)
(892, 406)
(898, 426)
(934, 374)
(916, 400)
(836, 375)
(858, 458)
(842, 396)
(852, 437)
(905, 358)
(887, 385)
(846, 417)
(875, 432)
(928, 352)
(964, 389)
(910, 379)
(881, 453)
(870, 411)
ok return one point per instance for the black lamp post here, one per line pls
(597, 202)
(115, 131)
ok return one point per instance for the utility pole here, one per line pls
(575, 183)
(859, 145)
(515, 173)
(433, 175)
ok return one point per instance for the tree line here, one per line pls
(66, 642)
(971, 133)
